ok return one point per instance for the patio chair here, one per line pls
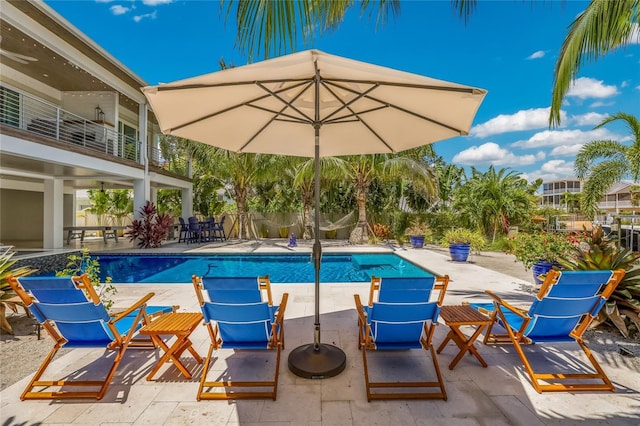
(218, 229)
(240, 325)
(565, 305)
(238, 290)
(195, 230)
(69, 309)
(400, 326)
(184, 231)
(405, 289)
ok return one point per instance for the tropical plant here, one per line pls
(604, 162)
(151, 229)
(120, 205)
(6, 292)
(598, 252)
(493, 200)
(99, 200)
(418, 228)
(475, 239)
(83, 263)
(534, 247)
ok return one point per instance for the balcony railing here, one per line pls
(26, 112)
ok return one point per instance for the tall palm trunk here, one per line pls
(241, 203)
(361, 233)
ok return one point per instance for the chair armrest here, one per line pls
(133, 307)
(497, 300)
(281, 308)
(375, 286)
(362, 319)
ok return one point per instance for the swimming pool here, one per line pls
(287, 268)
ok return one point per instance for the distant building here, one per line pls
(617, 199)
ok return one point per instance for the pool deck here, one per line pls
(498, 394)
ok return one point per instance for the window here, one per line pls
(9, 107)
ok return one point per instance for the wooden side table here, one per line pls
(456, 317)
(180, 325)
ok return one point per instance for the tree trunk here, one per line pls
(307, 225)
(241, 203)
(360, 234)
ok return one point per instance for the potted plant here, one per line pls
(417, 233)
(539, 251)
(460, 242)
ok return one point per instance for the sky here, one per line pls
(508, 48)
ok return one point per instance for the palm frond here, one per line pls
(603, 26)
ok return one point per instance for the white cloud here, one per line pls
(598, 104)
(624, 84)
(535, 118)
(551, 170)
(117, 9)
(585, 88)
(564, 137)
(566, 150)
(151, 15)
(536, 55)
(491, 153)
(588, 119)
(156, 2)
(637, 87)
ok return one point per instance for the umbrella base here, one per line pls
(307, 362)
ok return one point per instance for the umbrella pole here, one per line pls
(317, 360)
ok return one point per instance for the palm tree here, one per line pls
(604, 162)
(571, 200)
(493, 200)
(361, 170)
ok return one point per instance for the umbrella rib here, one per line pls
(163, 87)
(415, 114)
(293, 118)
(288, 103)
(246, 103)
(357, 115)
(276, 114)
(471, 90)
(346, 118)
(345, 105)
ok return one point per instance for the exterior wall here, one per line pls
(18, 223)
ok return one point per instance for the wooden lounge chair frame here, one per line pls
(121, 342)
(233, 389)
(540, 381)
(375, 390)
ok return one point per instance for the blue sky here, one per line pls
(508, 48)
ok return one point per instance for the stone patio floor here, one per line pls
(498, 394)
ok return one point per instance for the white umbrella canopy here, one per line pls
(312, 104)
(270, 107)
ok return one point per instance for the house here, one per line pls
(71, 117)
(618, 198)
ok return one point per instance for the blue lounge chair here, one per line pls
(403, 289)
(240, 324)
(69, 309)
(397, 326)
(565, 305)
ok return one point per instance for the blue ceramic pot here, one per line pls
(459, 251)
(540, 268)
(417, 241)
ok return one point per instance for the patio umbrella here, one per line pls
(313, 104)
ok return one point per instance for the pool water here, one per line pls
(297, 268)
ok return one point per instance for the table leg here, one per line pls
(173, 353)
(115, 235)
(465, 344)
(69, 234)
(82, 236)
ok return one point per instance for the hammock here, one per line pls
(257, 216)
(339, 224)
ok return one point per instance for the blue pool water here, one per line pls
(296, 268)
